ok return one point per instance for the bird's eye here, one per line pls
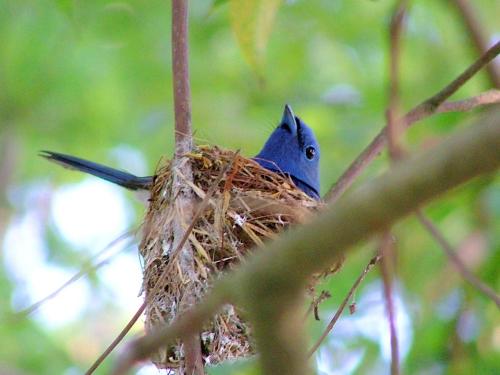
(310, 152)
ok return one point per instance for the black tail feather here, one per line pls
(127, 180)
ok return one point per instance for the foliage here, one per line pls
(91, 77)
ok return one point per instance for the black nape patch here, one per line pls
(300, 137)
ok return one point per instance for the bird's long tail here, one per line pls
(115, 176)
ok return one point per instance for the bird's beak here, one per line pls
(289, 119)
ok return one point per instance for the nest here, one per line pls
(249, 206)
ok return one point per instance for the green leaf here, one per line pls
(252, 22)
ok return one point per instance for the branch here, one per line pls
(183, 144)
(394, 126)
(425, 109)
(189, 323)
(77, 276)
(117, 339)
(342, 306)
(180, 70)
(477, 36)
(386, 269)
(283, 266)
(456, 261)
(200, 210)
(486, 98)
(163, 276)
(394, 130)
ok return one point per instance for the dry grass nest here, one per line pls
(249, 206)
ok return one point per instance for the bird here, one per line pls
(291, 150)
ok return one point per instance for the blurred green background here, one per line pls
(93, 78)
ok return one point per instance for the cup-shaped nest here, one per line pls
(248, 205)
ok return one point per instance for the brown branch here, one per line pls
(285, 265)
(342, 306)
(425, 109)
(188, 323)
(117, 339)
(394, 130)
(180, 70)
(394, 126)
(485, 98)
(386, 269)
(163, 276)
(192, 339)
(193, 362)
(456, 261)
(200, 209)
(478, 36)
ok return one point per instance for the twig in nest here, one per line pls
(314, 305)
(377, 205)
(201, 208)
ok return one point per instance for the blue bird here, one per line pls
(291, 150)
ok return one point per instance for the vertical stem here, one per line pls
(394, 126)
(180, 67)
(394, 130)
(386, 268)
(183, 143)
(478, 36)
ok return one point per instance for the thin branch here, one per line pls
(394, 130)
(83, 271)
(188, 323)
(425, 109)
(432, 103)
(163, 276)
(342, 306)
(117, 339)
(486, 98)
(193, 360)
(477, 36)
(180, 72)
(456, 261)
(387, 253)
(394, 126)
(287, 263)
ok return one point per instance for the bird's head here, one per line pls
(293, 149)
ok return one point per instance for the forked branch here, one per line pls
(425, 109)
(286, 264)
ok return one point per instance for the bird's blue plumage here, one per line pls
(291, 149)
